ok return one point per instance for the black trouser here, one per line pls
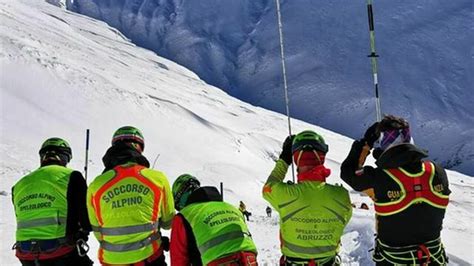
(71, 259)
(246, 214)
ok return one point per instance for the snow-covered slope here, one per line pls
(424, 69)
(61, 73)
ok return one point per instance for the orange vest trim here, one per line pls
(122, 172)
(415, 188)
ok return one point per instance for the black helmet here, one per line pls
(183, 186)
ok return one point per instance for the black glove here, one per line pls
(372, 135)
(165, 243)
(285, 154)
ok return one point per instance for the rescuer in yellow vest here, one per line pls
(50, 209)
(410, 194)
(208, 231)
(129, 203)
(313, 213)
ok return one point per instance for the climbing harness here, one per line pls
(423, 254)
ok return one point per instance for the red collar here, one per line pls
(318, 173)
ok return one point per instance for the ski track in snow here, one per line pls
(62, 73)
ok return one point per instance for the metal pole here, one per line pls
(87, 154)
(285, 84)
(222, 190)
(373, 58)
(156, 159)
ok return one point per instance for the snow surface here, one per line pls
(61, 73)
(425, 63)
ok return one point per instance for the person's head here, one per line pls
(393, 131)
(55, 151)
(131, 136)
(309, 150)
(182, 188)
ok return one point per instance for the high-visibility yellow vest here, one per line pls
(312, 217)
(127, 207)
(40, 201)
(219, 229)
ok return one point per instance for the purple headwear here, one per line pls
(393, 137)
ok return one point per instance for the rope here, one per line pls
(285, 84)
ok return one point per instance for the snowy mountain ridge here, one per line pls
(61, 73)
(425, 61)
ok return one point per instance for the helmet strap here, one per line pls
(317, 157)
(300, 153)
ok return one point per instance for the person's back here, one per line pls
(410, 195)
(397, 227)
(304, 207)
(208, 231)
(129, 203)
(313, 214)
(50, 210)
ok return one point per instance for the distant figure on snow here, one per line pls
(269, 211)
(243, 210)
(364, 206)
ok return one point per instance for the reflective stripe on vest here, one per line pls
(415, 188)
(130, 246)
(125, 230)
(112, 237)
(41, 222)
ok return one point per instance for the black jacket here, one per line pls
(122, 153)
(418, 223)
(78, 224)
